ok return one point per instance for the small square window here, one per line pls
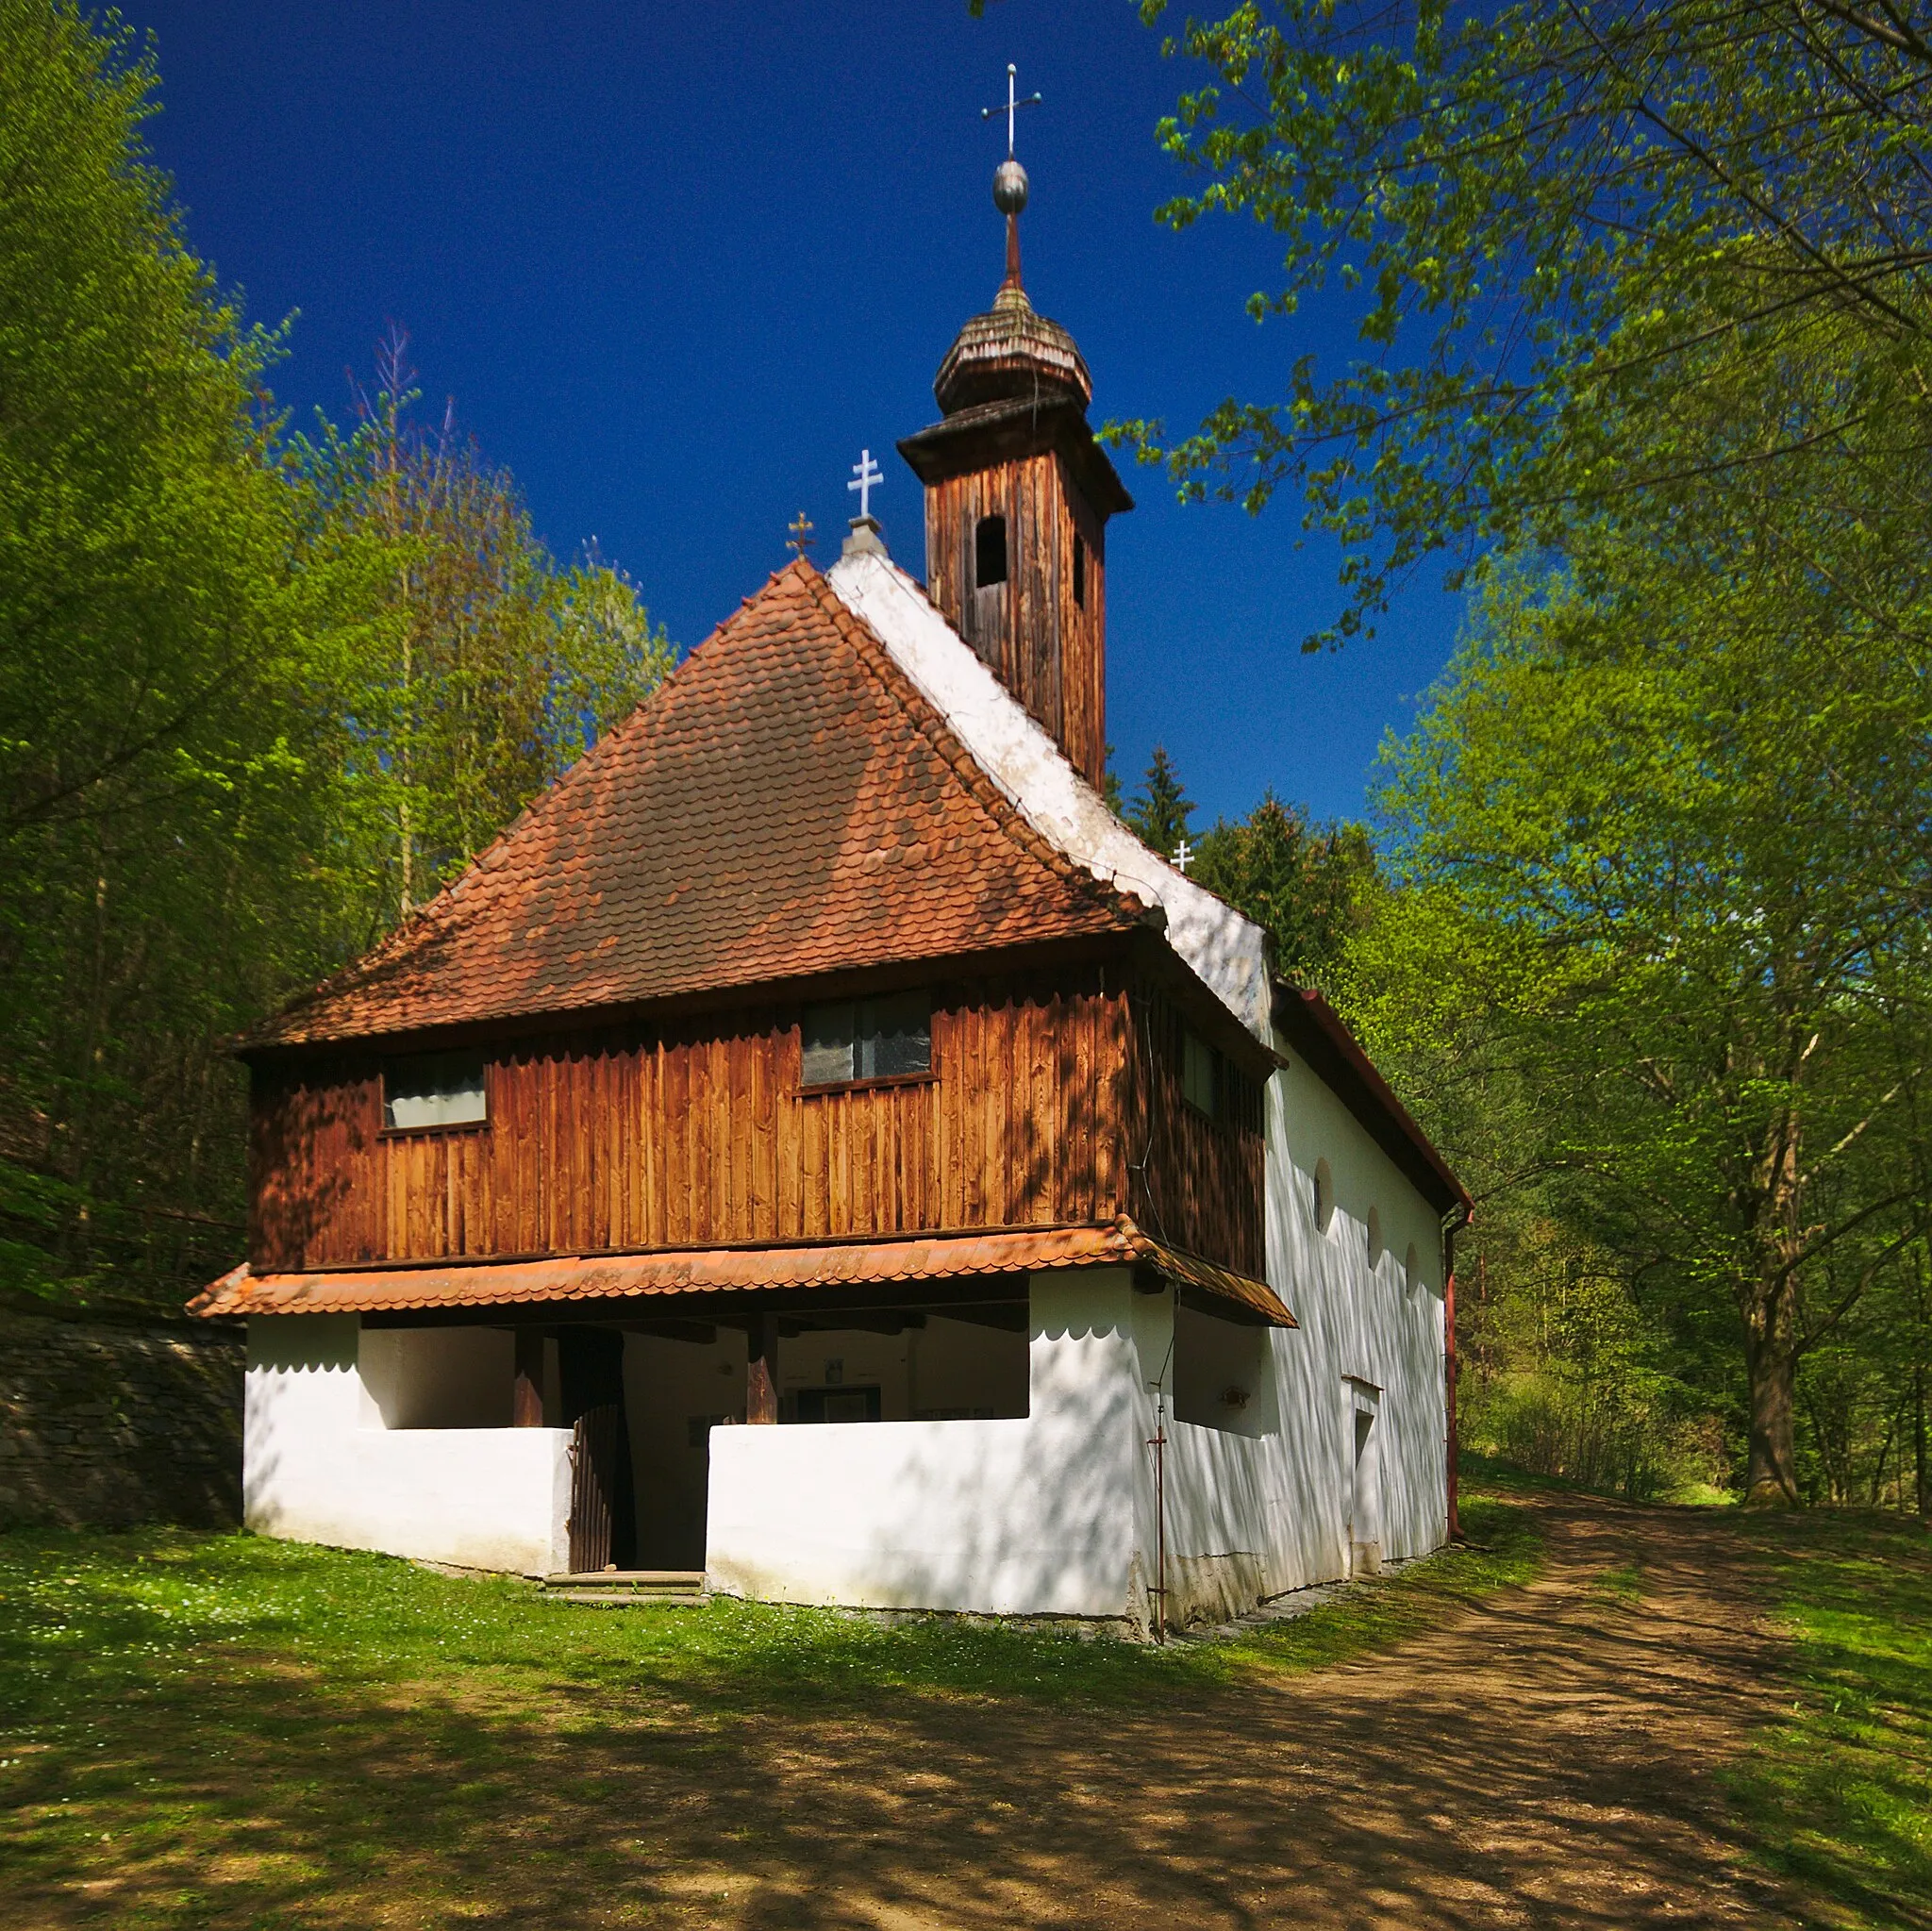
(867, 1038)
(828, 1042)
(1200, 1074)
(434, 1089)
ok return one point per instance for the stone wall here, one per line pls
(104, 1425)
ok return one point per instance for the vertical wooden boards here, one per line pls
(1202, 1188)
(1048, 648)
(697, 1134)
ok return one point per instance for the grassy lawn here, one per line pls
(1840, 1793)
(204, 1729)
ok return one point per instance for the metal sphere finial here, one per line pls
(1010, 186)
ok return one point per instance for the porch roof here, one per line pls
(741, 1269)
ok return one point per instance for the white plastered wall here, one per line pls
(1032, 1516)
(319, 1465)
(1363, 1324)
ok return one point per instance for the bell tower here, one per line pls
(1017, 497)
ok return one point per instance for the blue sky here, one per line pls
(678, 265)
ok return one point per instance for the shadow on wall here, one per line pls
(1033, 1517)
(308, 1347)
(312, 1141)
(438, 1377)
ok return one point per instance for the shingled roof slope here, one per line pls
(786, 803)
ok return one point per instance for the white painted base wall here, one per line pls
(1026, 1517)
(319, 1465)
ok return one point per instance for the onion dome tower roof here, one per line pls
(1011, 354)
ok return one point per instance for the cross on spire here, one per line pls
(1013, 106)
(866, 478)
(799, 540)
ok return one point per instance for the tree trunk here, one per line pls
(1770, 1352)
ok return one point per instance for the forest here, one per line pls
(1637, 922)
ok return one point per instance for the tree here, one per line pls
(256, 697)
(471, 669)
(1304, 885)
(1575, 236)
(1160, 809)
(1639, 793)
(153, 789)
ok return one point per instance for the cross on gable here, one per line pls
(1184, 856)
(799, 540)
(866, 478)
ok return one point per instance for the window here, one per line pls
(1325, 1196)
(1080, 571)
(838, 1405)
(1411, 1268)
(434, 1089)
(1200, 1073)
(1375, 1237)
(867, 1038)
(990, 552)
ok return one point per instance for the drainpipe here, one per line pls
(1160, 1447)
(1158, 1442)
(1458, 1216)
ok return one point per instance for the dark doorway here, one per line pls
(603, 1509)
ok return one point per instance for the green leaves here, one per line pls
(1307, 886)
(1644, 812)
(1568, 234)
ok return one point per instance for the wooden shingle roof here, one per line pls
(786, 803)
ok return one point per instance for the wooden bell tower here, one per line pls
(1017, 497)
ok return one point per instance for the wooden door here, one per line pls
(602, 1523)
(595, 1444)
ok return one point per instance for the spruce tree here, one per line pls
(1158, 815)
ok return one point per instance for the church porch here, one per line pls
(969, 1442)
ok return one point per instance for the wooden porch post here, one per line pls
(761, 1369)
(526, 1397)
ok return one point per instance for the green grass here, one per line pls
(1840, 1793)
(201, 1729)
(1622, 1584)
(1502, 1553)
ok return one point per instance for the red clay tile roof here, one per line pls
(788, 803)
(741, 1269)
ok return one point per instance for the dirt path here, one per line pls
(1548, 1761)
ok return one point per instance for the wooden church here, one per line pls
(817, 1153)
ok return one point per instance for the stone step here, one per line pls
(628, 1585)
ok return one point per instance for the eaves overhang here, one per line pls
(996, 432)
(666, 1279)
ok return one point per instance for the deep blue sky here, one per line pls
(679, 264)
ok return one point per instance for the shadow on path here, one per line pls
(1548, 1760)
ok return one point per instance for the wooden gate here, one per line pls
(594, 1488)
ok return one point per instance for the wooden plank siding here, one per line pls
(1044, 647)
(1051, 1101)
(697, 1134)
(1198, 1185)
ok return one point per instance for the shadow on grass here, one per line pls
(212, 1731)
(1840, 1791)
